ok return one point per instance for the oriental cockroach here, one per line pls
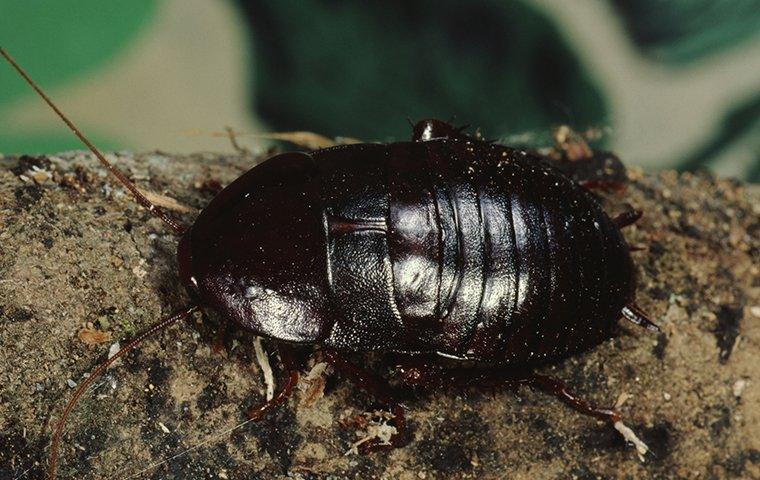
(444, 249)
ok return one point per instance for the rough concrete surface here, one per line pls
(76, 254)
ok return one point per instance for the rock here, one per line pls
(59, 236)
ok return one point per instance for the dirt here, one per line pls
(77, 255)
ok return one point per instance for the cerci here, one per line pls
(474, 260)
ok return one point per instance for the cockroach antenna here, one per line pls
(138, 195)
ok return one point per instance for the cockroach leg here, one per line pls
(463, 377)
(627, 218)
(288, 360)
(421, 375)
(633, 314)
(378, 388)
(427, 376)
(558, 389)
(282, 394)
(604, 185)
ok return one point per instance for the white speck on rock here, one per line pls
(739, 387)
(139, 271)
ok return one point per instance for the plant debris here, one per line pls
(90, 336)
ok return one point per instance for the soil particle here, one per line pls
(659, 438)
(27, 196)
(722, 423)
(14, 314)
(212, 396)
(727, 330)
(457, 442)
(659, 348)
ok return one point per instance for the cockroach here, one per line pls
(443, 249)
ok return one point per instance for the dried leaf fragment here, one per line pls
(90, 336)
(266, 368)
(313, 384)
(310, 140)
(166, 202)
(630, 436)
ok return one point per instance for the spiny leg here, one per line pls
(604, 185)
(419, 374)
(378, 388)
(558, 389)
(288, 359)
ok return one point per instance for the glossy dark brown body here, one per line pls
(446, 245)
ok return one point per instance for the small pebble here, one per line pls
(666, 396)
(104, 323)
(739, 387)
(139, 271)
(622, 398)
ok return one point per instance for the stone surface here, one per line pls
(76, 254)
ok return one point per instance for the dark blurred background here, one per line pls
(671, 84)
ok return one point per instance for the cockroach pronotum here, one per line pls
(445, 249)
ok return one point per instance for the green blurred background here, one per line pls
(672, 84)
